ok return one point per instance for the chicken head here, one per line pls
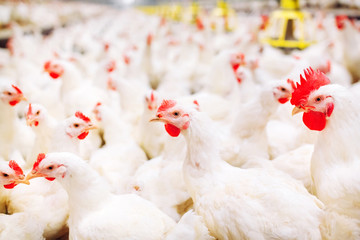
(11, 94)
(47, 167)
(35, 114)
(54, 69)
(151, 100)
(174, 117)
(78, 126)
(282, 91)
(237, 60)
(308, 98)
(11, 174)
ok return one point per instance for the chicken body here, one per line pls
(10, 96)
(21, 225)
(53, 135)
(119, 158)
(334, 166)
(332, 110)
(249, 206)
(96, 213)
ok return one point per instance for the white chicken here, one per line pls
(96, 213)
(131, 95)
(77, 93)
(10, 95)
(232, 201)
(115, 57)
(221, 79)
(120, 156)
(43, 125)
(246, 138)
(47, 204)
(332, 110)
(149, 136)
(55, 135)
(22, 225)
(349, 37)
(160, 180)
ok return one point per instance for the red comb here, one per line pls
(82, 116)
(340, 20)
(152, 96)
(29, 110)
(106, 46)
(40, 157)
(17, 89)
(149, 39)
(199, 24)
(110, 84)
(126, 59)
(264, 21)
(313, 80)
(166, 104)
(47, 65)
(14, 166)
(111, 66)
(292, 83)
(98, 104)
(197, 105)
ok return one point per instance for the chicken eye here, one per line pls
(283, 89)
(8, 93)
(50, 167)
(318, 99)
(176, 114)
(76, 125)
(5, 174)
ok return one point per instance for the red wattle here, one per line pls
(235, 66)
(54, 75)
(126, 60)
(314, 120)
(50, 178)
(10, 186)
(13, 103)
(283, 100)
(330, 109)
(172, 130)
(83, 135)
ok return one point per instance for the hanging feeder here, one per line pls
(287, 27)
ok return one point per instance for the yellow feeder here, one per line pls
(176, 12)
(192, 13)
(286, 28)
(194, 10)
(147, 9)
(222, 10)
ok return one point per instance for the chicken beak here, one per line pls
(302, 108)
(297, 110)
(23, 98)
(90, 127)
(29, 121)
(32, 175)
(24, 181)
(158, 118)
(155, 120)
